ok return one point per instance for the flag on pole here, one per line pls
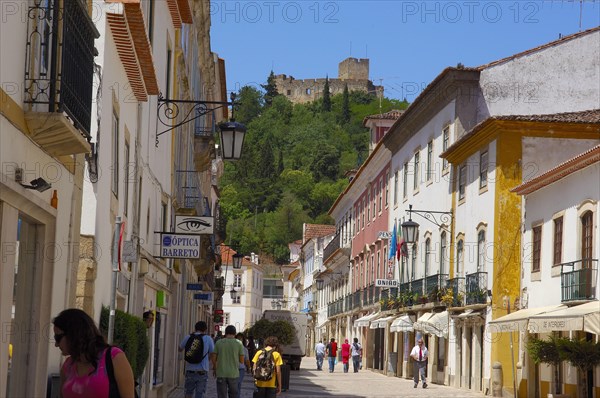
(393, 245)
(402, 249)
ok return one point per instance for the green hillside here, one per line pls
(292, 167)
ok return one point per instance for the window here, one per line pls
(115, 153)
(481, 251)
(413, 262)
(308, 91)
(363, 213)
(416, 172)
(160, 332)
(289, 92)
(374, 199)
(236, 300)
(369, 206)
(396, 187)
(537, 244)
(237, 280)
(148, 11)
(558, 232)
(483, 169)
(460, 251)
(586, 239)
(380, 196)
(405, 182)
(445, 142)
(168, 77)
(126, 193)
(462, 181)
(387, 189)
(226, 318)
(427, 255)
(165, 224)
(429, 160)
(443, 245)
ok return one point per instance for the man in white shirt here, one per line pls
(356, 354)
(320, 354)
(420, 354)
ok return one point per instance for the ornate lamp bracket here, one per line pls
(439, 218)
(175, 113)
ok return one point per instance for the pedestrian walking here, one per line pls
(331, 354)
(356, 354)
(262, 364)
(346, 355)
(420, 354)
(226, 360)
(251, 350)
(87, 370)
(244, 367)
(196, 360)
(320, 354)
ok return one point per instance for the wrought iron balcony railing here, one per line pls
(457, 286)
(357, 299)
(476, 288)
(434, 285)
(331, 248)
(59, 67)
(579, 280)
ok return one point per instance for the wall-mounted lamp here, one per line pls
(278, 304)
(410, 229)
(39, 184)
(237, 260)
(234, 294)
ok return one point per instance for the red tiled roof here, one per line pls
(317, 231)
(227, 256)
(583, 117)
(394, 114)
(559, 172)
(538, 48)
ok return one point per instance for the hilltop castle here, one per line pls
(352, 71)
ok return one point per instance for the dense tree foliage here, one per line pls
(292, 166)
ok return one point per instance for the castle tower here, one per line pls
(354, 69)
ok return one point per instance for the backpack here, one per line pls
(265, 365)
(194, 348)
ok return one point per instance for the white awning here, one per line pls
(323, 325)
(381, 322)
(374, 324)
(437, 324)
(517, 321)
(420, 323)
(365, 320)
(469, 314)
(403, 323)
(581, 317)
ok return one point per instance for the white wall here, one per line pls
(561, 78)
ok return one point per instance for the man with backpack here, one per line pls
(267, 370)
(356, 354)
(197, 346)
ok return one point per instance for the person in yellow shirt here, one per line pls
(268, 388)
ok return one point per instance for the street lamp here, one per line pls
(232, 138)
(237, 260)
(234, 294)
(278, 304)
(410, 229)
(320, 283)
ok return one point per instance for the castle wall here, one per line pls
(301, 91)
(354, 69)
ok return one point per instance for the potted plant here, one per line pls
(582, 354)
(460, 299)
(547, 352)
(447, 298)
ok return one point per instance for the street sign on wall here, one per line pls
(179, 246)
(204, 298)
(386, 283)
(194, 286)
(194, 225)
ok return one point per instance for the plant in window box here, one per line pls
(384, 303)
(459, 300)
(447, 298)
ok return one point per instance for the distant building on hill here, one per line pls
(352, 71)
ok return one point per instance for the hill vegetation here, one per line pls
(292, 166)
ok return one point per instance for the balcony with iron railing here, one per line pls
(59, 75)
(457, 287)
(435, 286)
(357, 299)
(579, 280)
(331, 248)
(476, 288)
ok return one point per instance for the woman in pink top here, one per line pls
(83, 375)
(345, 355)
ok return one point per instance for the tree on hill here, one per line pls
(270, 89)
(250, 103)
(326, 96)
(345, 105)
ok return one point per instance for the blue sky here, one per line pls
(408, 42)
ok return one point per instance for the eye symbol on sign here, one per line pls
(193, 225)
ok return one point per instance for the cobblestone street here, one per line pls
(366, 384)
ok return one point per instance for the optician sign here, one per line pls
(179, 246)
(194, 225)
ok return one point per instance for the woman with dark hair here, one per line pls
(251, 346)
(84, 374)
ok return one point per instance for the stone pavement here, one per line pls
(364, 384)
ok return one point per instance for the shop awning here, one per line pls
(584, 317)
(469, 314)
(404, 323)
(323, 324)
(381, 322)
(437, 324)
(517, 321)
(365, 320)
(374, 324)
